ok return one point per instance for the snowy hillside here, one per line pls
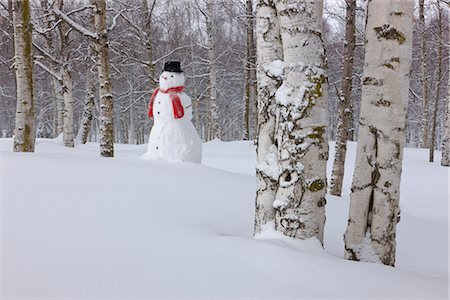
(77, 225)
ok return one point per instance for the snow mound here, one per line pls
(77, 225)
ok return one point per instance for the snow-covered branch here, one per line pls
(74, 24)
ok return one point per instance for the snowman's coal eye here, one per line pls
(171, 75)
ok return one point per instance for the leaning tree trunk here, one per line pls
(303, 118)
(345, 112)
(214, 127)
(425, 101)
(374, 201)
(269, 77)
(104, 78)
(89, 103)
(437, 93)
(25, 131)
(249, 69)
(445, 161)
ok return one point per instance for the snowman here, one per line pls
(173, 137)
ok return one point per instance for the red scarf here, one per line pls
(178, 110)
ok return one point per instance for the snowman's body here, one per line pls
(173, 139)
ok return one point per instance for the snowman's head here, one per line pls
(171, 79)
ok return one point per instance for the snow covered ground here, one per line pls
(77, 225)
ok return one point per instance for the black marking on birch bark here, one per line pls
(396, 13)
(389, 33)
(372, 81)
(382, 102)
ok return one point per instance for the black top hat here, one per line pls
(172, 66)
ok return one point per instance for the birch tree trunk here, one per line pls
(425, 102)
(50, 39)
(345, 112)
(67, 88)
(25, 131)
(303, 118)
(445, 161)
(374, 201)
(249, 69)
(104, 78)
(214, 127)
(269, 77)
(89, 104)
(437, 91)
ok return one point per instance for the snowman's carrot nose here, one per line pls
(164, 78)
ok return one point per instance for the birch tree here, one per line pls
(445, 160)
(345, 112)
(89, 104)
(100, 36)
(249, 69)
(24, 133)
(374, 201)
(214, 128)
(302, 114)
(425, 102)
(437, 92)
(269, 77)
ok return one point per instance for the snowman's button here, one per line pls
(158, 112)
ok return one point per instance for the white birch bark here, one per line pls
(104, 78)
(67, 89)
(425, 102)
(303, 117)
(437, 91)
(214, 127)
(25, 131)
(345, 112)
(89, 104)
(445, 160)
(269, 76)
(374, 201)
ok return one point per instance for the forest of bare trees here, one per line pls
(210, 38)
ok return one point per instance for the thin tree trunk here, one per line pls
(269, 74)
(249, 69)
(104, 78)
(345, 112)
(425, 101)
(437, 90)
(445, 161)
(303, 118)
(214, 111)
(67, 87)
(89, 104)
(25, 131)
(374, 201)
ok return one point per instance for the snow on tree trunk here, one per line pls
(374, 202)
(437, 91)
(425, 103)
(269, 75)
(104, 78)
(302, 113)
(67, 87)
(249, 69)
(24, 133)
(445, 161)
(214, 127)
(59, 106)
(89, 103)
(345, 112)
